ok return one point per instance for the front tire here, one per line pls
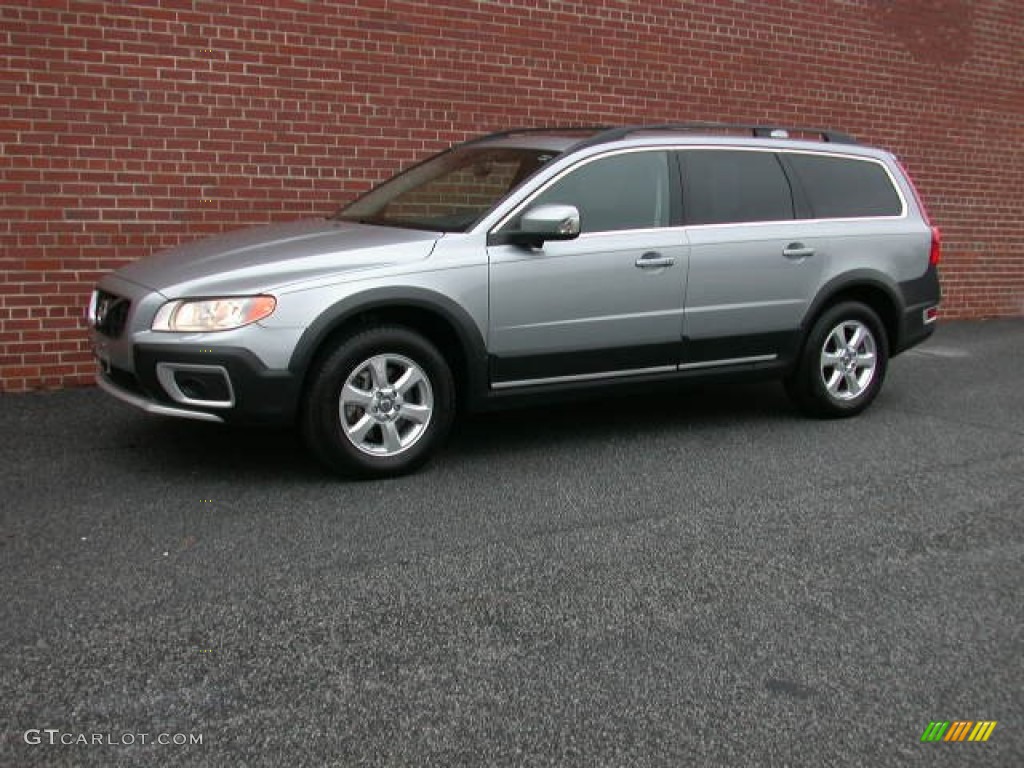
(843, 362)
(380, 404)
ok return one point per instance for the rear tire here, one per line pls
(843, 362)
(379, 405)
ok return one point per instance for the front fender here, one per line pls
(457, 317)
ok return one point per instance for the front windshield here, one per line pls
(449, 192)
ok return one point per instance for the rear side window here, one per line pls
(843, 188)
(726, 186)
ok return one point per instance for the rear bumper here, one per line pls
(207, 384)
(919, 296)
(914, 328)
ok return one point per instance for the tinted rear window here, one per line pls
(731, 186)
(842, 188)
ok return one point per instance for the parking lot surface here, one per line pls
(701, 577)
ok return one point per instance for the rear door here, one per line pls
(754, 268)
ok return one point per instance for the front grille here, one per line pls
(111, 314)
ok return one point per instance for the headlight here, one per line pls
(213, 314)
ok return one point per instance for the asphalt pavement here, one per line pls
(699, 578)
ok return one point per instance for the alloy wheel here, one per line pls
(848, 360)
(386, 405)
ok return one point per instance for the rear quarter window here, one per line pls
(844, 188)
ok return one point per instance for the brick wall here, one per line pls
(129, 127)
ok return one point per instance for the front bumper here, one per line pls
(126, 396)
(217, 384)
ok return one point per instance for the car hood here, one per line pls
(264, 258)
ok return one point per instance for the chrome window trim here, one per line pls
(779, 222)
(904, 212)
(643, 231)
(574, 167)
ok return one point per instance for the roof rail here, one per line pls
(762, 131)
(545, 129)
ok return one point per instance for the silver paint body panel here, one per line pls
(580, 295)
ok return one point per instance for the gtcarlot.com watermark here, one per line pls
(54, 736)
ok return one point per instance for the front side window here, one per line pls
(449, 192)
(842, 187)
(725, 186)
(624, 191)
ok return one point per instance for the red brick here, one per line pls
(115, 119)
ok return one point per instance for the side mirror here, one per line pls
(542, 223)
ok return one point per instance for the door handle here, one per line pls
(653, 259)
(797, 251)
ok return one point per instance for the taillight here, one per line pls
(936, 250)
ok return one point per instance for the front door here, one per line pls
(606, 304)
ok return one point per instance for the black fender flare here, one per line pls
(473, 347)
(858, 278)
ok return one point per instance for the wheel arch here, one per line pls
(441, 320)
(870, 288)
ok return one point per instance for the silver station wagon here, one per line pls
(532, 264)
